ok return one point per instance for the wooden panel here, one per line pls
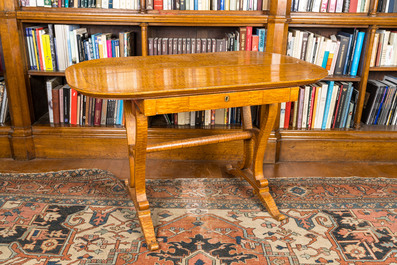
(217, 101)
(338, 146)
(5, 149)
(112, 143)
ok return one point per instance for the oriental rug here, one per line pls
(85, 217)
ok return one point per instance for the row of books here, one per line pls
(243, 5)
(243, 39)
(107, 4)
(384, 51)
(323, 105)
(330, 6)
(3, 101)
(67, 106)
(387, 6)
(340, 54)
(55, 47)
(380, 102)
(226, 116)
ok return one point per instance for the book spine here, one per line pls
(73, 106)
(327, 105)
(357, 53)
(55, 105)
(98, 112)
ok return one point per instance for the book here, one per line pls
(327, 105)
(50, 85)
(357, 53)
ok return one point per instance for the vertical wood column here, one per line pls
(277, 27)
(21, 139)
(144, 28)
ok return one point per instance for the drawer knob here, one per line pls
(227, 98)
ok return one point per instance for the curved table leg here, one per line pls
(254, 173)
(137, 125)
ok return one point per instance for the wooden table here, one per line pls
(194, 82)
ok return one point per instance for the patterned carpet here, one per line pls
(86, 217)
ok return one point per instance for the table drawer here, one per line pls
(218, 101)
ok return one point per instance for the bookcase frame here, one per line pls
(23, 140)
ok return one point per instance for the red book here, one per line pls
(324, 5)
(158, 4)
(255, 42)
(55, 103)
(248, 37)
(98, 111)
(73, 106)
(287, 114)
(38, 42)
(313, 97)
(353, 6)
(109, 47)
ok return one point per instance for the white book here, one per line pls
(297, 43)
(302, 5)
(233, 4)
(325, 46)
(282, 114)
(309, 47)
(393, 41)
(305, 107)
(316, 6)
(192, 118)
(128, 4)
(366, 6)
(116, 4)
(40, 3)
(191, 4)
(32, 3)
(386, 36)
(321, 105)
(290, 43)
(122, 4)
(105, 4)
(332, 105)
(181, 118)
(335, 49)
(339, 6)
(374, 50)
(207, 117)
(358, 10)
(389, 52)
(320, 40)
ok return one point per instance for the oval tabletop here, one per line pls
(189, 74)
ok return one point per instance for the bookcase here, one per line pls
(30, 135)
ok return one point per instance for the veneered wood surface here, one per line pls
(189, 74)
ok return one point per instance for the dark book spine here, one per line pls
(341, 103)
(83, 110)
(66, 100)
(55, 105)
(344, 42)
(98, 111)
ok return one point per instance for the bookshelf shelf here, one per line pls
(27, 138)
(383, 68)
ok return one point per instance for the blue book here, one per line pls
(94, 42)
(222, 5)
(195, 4)
(327, 104)
(357, 53)
(381, 104)
(262, 39)
(325, 59)
(346, 105)
(119, 117)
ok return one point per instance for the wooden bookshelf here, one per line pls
(28, 136)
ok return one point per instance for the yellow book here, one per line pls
(315, 105)
(45, 38)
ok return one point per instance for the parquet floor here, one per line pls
(191, 169)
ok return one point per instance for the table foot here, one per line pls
(260, 188)
(145, 220)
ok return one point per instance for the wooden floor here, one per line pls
(197, 169)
